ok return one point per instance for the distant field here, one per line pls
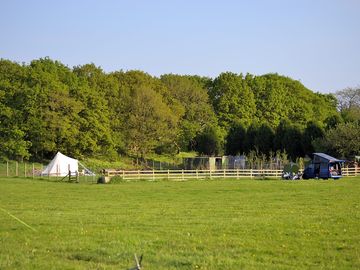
(222, 224)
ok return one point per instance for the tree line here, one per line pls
(83, 111)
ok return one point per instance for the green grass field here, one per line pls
(222, 224)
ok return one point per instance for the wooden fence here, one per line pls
(206, 174)
(351, 171)
(33, 170)
(192, 174)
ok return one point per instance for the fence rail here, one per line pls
(206, 174)
(192, 174)
(351, 171)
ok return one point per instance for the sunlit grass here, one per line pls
(222, 224)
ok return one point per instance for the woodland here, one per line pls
(83, 111)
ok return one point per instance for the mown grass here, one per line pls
(222, 224)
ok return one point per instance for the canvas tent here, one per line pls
(61, 165)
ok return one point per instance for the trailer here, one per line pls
(323, 166)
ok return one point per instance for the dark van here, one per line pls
(323, 166)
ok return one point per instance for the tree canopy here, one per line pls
(46, 106)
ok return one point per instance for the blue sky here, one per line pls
(316, 42)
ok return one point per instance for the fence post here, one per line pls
(138, 174)
(224, 173)
(251, 173)
(123, 174)
(7, 168)
(168, 174)
(237, 173)
(182, 173)
(197, 174)
(16, 169)
(153, 175)
(25, 169)
(210, 173)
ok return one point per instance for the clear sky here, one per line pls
(314, 41)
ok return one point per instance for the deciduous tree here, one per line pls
(198, 112)
(233, 100)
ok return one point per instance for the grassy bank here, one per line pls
(223, 224)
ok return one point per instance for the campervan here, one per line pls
(323, 166)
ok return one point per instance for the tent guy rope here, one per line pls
(18, 219)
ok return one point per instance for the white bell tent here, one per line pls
(61, 165)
